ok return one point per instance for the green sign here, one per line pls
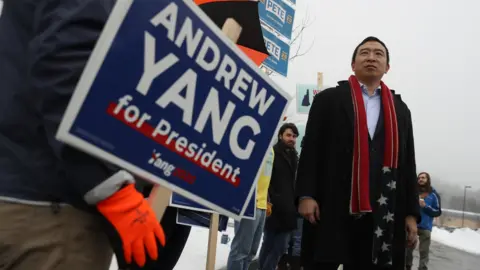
(305, 93)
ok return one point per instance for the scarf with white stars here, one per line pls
(360, 192)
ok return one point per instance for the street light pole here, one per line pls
(464, 201)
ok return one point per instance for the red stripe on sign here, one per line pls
(147, 130)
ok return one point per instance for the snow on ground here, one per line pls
(194, 255)
(463, 239)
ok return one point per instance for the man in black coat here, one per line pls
(356, 179)
(283, 220)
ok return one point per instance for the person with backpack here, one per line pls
(430, 205)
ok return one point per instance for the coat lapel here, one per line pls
(380, 122)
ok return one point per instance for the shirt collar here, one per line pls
(365, 91)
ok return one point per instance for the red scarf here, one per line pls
(360, 195)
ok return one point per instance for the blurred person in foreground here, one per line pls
(430, 204)
(57, 203)
(280, 225)
(356, 180)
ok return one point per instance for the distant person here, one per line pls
(430, 205)
(248, 232)
(283, 220)
(291, 260)
(357, 179)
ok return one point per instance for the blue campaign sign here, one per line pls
(278, 15)
(200, 219)
(279, 53)
(167, 96)
(180, 201)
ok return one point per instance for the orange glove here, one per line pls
(135, 222)
(269, 209)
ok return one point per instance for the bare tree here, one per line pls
(296, 43)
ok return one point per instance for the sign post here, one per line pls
(320, 80)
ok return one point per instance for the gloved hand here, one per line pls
(269, 209)
(135, 222)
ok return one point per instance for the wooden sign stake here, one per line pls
(320, 80)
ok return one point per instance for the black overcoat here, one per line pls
(324, 173)
(281, 191)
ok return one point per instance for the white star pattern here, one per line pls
(385, 246)
(382, 200)
(390, 262)
(392, 185)
(388, 217)
(375, 261)
(379, 232)
(386, 169)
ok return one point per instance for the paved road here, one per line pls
(441, 258)
(447, 258)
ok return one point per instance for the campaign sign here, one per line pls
(279, 53)
(305, 94)
(278, 15)
(200, 219)
(182, 202)
(167, 96)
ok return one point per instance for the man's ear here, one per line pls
(388, 68)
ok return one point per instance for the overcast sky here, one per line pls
(434, 47)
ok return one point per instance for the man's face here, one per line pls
(289, 138)
(422, 179)
(370, 61)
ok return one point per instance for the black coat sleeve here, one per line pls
(65, 33)
(409, 172)
(308, 175)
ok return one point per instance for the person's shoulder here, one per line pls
(333, 92)
(399, 102)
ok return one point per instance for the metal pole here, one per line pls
(463, 207)
(464, 201)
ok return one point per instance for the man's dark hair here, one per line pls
(428, 186)
(368, 39)
(286, 126)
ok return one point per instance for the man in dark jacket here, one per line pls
(53, 198)
(283, 220)
(356, 179)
